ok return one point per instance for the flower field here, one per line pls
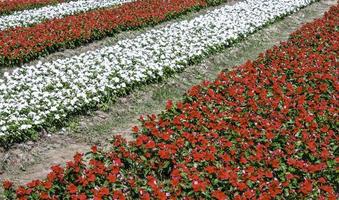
(7, 7)
(35, 96)
(22, 44)
(34, 16)
(264, 130)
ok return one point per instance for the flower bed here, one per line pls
(34, 16)
(265, 130)
(23, 44)
(8, 6)
(44, 94)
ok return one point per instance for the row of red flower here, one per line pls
(265, 130)
(9, 6)
(21, 44)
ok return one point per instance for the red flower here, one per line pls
(144, 195)
(169, 105)
(7, 184)
(328, 189)
(164, 154)
(20, 191)
(118, 195)
(48, 185)
(57, 169)
(226, 158)
(223, 174)
(111, 178)
(72, 188)
(135, 129)
(306, 187)
(77, 157)
(199, 186)
(150, 144)
(94, 149)
(275, 163)
(219, 195)
(82, 196)
(269, 135)
(44, 195)
(323, 87)
(243, 160)
(103, 191)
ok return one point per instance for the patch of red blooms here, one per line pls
(7, 184)
(264, 130)
(21, 44)
(8, 6)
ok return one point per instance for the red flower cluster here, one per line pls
(21, 44)
(265, 130)
(8, 6)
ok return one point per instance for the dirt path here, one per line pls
(31, 160)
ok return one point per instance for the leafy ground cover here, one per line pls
(264, 130)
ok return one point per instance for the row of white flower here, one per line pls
(34, 96)
(38, 15)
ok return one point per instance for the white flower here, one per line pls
(25, 126)
(3, 128)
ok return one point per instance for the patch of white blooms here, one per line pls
(34, 16)
(34, 95)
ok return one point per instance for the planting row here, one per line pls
(34, 16)
(45, 93)
(7, 7)
(22, 44)
(266, 130)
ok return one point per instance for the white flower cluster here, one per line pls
(34, 95)
(38, 15)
